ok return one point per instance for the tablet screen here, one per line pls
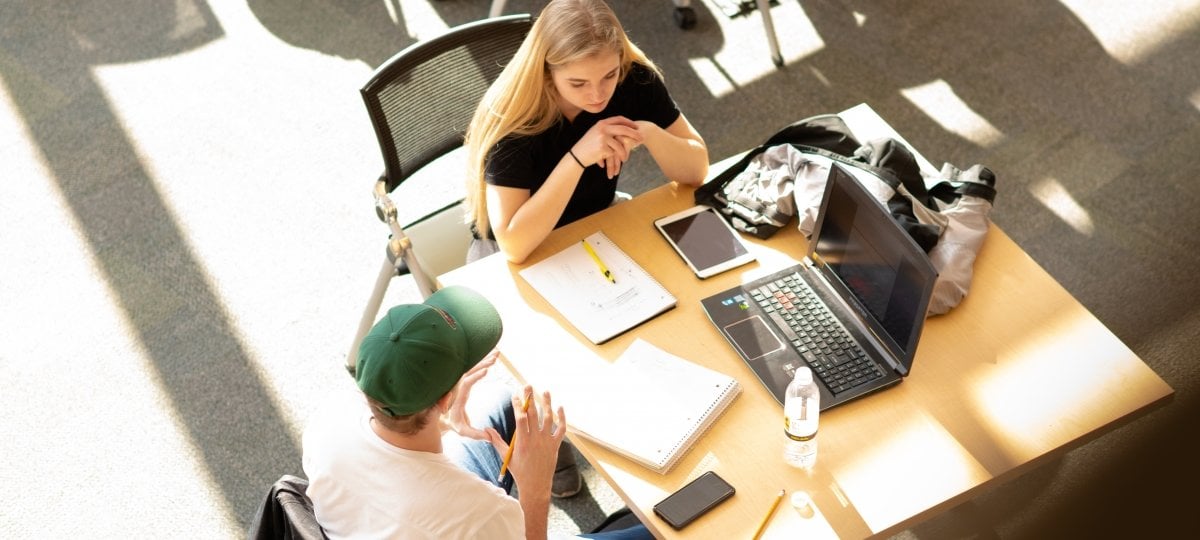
(704, 238)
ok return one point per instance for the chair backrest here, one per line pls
(422, 99)
(421, 102)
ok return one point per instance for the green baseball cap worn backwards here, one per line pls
(418, 352)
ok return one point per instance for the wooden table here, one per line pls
(1016, 375)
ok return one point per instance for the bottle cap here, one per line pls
(803, 374)
(803, 504)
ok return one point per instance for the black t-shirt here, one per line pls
(526, 161)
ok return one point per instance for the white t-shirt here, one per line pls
(363, 487)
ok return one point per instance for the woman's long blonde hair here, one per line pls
(521, 101)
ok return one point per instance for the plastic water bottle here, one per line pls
(801, 409)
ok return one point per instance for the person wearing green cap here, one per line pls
(402, 459)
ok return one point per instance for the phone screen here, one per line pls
(693, 499)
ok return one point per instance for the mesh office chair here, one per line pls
(420, 102)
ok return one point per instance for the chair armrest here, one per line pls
(385, 209)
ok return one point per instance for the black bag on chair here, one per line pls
(286, 513)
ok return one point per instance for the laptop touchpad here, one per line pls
(753, 337)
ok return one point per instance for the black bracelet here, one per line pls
(581, 165)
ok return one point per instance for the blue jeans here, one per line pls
(491, 406)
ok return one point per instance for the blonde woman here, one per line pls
(547, 142)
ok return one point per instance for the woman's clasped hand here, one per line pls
(609, 144)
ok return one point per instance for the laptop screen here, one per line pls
(873, 259)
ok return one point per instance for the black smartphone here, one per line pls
(693, 500)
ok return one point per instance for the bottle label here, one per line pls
(801, 438)
(799, 422)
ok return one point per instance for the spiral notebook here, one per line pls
(574, 282)
(649, 405)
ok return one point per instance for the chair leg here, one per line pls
(764, 9)
(497, 8)
(425, 285)
(386, 273)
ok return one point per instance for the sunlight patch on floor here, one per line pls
(1051, 193)
(939, 101)
(1132, 31)
(745, 56)
(422, 19)
(714, 78)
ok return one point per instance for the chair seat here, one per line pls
(440, 240)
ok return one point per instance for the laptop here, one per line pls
(870, 285)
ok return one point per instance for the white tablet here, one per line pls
(705, 241)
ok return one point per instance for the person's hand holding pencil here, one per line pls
(532, 454)
(513, 442)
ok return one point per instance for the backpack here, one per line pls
(946, 214)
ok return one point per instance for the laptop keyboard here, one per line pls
(814, 332)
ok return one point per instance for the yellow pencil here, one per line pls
(767, 518)
(600, 263)
(512, 443)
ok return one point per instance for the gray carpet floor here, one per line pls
(188, 238)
